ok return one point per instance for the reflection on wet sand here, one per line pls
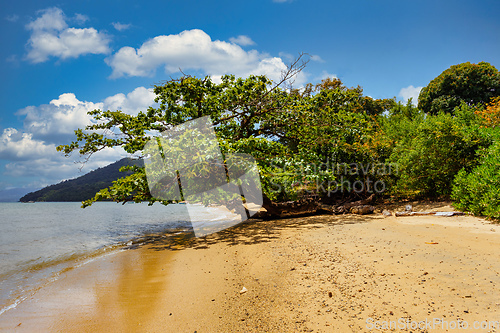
(127, 297)
(116, 293)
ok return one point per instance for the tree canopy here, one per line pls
(466, 82)
(286, 130)
(321, 145)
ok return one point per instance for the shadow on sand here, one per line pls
(248, 232)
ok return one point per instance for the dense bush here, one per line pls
(479, 191)
(430, 150)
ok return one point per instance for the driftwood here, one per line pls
(362, 210)
(346, 208)
(289, 208)
(325, 209)
(359, 202)
(401, 214)
(310, 206)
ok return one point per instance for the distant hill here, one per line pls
(13, 194)
(84, 187)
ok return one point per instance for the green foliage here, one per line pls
(299, 138)
(248, 115)
(284, 130)
(330, 125)
(268, 154)
(478, 191)
(398, 127)
(429, 151)
(466, 82)
(132, 187)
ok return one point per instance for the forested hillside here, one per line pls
(84, 187)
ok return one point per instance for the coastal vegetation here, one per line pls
(327, 143)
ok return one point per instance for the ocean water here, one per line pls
(39, 241)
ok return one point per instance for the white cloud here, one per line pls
(12, 18)
(282, 1)
(192, 50)
(58, 119)
(242, 40)
(120, 27)
(137, 100)
(317, 58)
(324, 75)
(31, 151)
(16, 145)
(272, 67)
(80, 18)
(51, 36)
(51, 19)
(54, 167)
(410, 92)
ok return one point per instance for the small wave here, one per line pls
(66, 246)
(27, 281)
(24, 282)
(13, 305)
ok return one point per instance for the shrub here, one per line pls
(432, 151)
(478, 191)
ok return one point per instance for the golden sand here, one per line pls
(320, 274)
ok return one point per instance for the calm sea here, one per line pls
(39, 241)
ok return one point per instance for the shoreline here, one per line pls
(320, 273)
(41, 275)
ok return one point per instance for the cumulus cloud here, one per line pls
(31, 151)
(53, 167)
(242, 40)
(51, 36)
(120, 26)
(192, 50)
(135, 101)
(50, 19)
(410, 92)
(58, 119)
(273, 67)
(16, 145)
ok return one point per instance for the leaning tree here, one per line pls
(286, 131)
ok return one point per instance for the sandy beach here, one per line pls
(344, 273)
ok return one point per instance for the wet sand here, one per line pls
(315, 274)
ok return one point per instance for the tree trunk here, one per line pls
(306, 207)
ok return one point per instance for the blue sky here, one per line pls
(60, 59)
